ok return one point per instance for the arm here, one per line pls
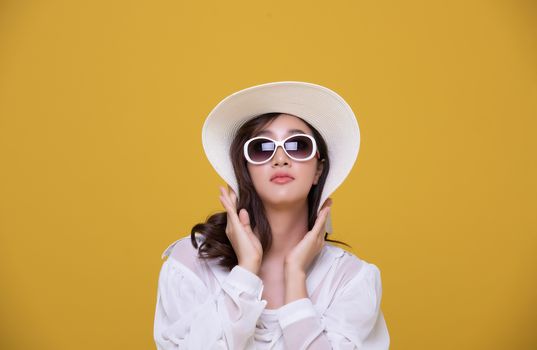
(353, 319)
(188, 316)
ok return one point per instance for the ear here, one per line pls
(319, 171)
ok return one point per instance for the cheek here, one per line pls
(307, 169)
(308, 176)
(256, 174)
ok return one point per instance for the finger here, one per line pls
(245, 220)
(226, 202)
(231, 197)
(224, 197)
(233, 224)
(231, 211)
(321, 220)
(244, 217)
(327, 202)
(225, 193)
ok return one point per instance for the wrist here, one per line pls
(294, 273)
(252, 267)
(295, 285)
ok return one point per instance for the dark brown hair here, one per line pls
(216, 243)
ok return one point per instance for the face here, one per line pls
(291, 191)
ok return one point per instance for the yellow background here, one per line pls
(102, 104)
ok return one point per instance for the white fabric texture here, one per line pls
(201, 305)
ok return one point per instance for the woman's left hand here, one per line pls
(301, 256)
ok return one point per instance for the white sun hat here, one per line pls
(321, 107)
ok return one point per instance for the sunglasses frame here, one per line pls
(281, 144)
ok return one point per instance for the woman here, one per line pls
(262, 275)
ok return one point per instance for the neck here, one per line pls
(288, 225)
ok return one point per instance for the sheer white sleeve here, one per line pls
(188, 316)
(353, 320)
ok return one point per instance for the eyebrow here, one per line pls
(289, 132)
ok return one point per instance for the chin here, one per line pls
(284, 199)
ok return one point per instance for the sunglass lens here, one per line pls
(260, 150)
(299, 147)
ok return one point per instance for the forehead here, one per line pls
(284, 125)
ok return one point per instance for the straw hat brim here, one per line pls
(324, 109)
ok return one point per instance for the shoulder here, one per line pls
(183, 243)
(358, 282)
(183, 251)
(182, 259)
(180, 280)
(350, 267)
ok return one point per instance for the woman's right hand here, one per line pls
(245, 243)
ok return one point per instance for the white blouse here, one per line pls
(201, 305)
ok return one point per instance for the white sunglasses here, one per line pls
(261, 149)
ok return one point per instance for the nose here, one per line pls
(280, 158)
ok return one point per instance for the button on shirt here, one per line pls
(202, 305)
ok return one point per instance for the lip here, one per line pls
(282, 179)
(280, 175)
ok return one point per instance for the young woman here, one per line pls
(262, 274)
